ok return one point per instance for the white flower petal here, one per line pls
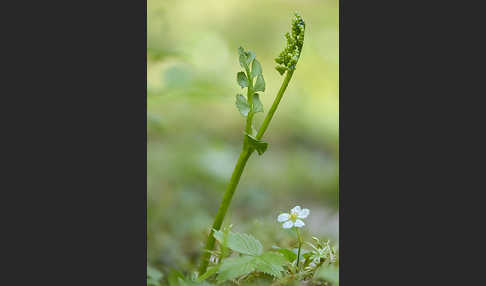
(283, 217)
(299, 223)
(295, 210)
(288, 224)
(304, 213)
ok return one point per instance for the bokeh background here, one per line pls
(195, 131)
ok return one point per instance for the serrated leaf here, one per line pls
(257, 104)
(242, 105)
(256, 68)
(271, 263)
(329, 273)
(209, 272)
(259, 84)
(234, 267)
(240, 242)
(242, 79)
(258, 145)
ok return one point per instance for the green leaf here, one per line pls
(329, 273)
(260, 83)
(287, 253)
(242, 105)
(245, 57)
(250, 57)
(271, 263)
(258, 145)
(242, 79)
(257, 104)
(220, 237)
(234, 267)
(256, 68)
(225, 252)
(209, 272)
(240, 242)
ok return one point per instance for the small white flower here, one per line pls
(294, 218)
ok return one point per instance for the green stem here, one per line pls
(223, 207)
(272, 110)
(249, 118)
(240, 165)
(300, 245)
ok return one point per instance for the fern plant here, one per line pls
(251, 78)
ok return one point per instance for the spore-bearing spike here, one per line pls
(287, 60)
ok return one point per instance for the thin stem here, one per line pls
(249, 118)
(272, 110)
(300, 245)
(223, 207)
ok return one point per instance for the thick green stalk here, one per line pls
(272, 110)
(223, 207)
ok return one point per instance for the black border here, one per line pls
(409, 143)
(74, 185)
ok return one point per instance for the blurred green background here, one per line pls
(195, 131)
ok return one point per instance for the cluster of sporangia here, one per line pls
(290, 55)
